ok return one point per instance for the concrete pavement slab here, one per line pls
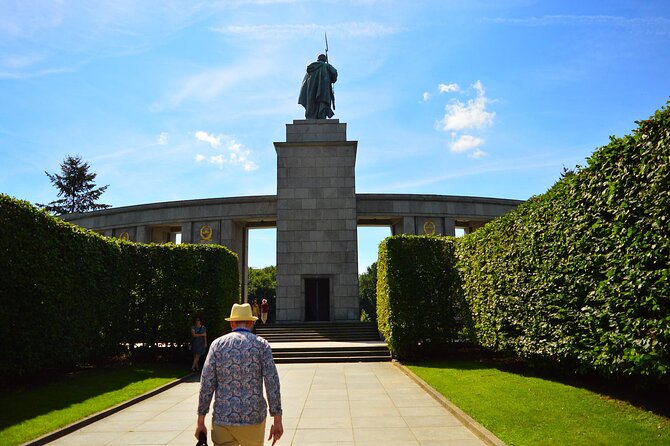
(324, 404)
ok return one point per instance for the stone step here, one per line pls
(322, 329)
(316, 338)
(322, 336)
(317, 359)
(324, 342)
(331, 356)
(330, 351)
(315, 325)
(315, 329)
(315, 341)
(381, 356)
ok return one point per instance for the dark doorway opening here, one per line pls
(317, 299)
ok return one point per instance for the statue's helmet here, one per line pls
(322, 58)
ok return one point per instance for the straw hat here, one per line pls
(241, 313)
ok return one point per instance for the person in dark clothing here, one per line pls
(198, 344)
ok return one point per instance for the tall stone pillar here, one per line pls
(317, 252)
(143, 234)
(449, 227)
(187, 232)
(234, 236)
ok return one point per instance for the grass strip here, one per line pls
(31, 411)
(525, 410)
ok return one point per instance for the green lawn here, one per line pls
(35, 410)
(524, 410)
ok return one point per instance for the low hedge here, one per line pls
(419, 302)
(69, 295)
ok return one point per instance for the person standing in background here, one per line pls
(265, 309)
(255, 309)
(198, 343)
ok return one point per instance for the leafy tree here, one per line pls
(367, 293)
(263, 285)
(76, 188)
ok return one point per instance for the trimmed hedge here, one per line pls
(69, 295)
(419, 302)
(580, 275)
(173, 283)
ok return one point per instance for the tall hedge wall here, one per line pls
(581, 274)
(69, 295)
(578, 276)
(419, 301)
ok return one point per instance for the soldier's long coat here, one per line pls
(316, 94)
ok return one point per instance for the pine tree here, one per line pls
(75, 187)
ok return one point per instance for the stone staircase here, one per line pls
(324, 342)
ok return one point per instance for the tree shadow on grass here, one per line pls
(29, 401)
(651, 396)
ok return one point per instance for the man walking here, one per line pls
(236, 367)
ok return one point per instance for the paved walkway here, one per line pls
(324, 404)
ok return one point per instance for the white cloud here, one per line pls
(660, 25)
(479, 87)
(18, 74)
(218, 160)
(162, 138)
(545, 161)
(205, 86)
(211, 84)
(466, 116)
(448, 88)
(250, 165)
(212, 140)
(473, 114)
(465, 143)
(18, 61)
(236, 155)
(477, 154)
(79, 32)
(426, 96)
(349, 29)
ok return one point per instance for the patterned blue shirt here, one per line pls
(236, 367)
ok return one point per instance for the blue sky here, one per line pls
(176, 100)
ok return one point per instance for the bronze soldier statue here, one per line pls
(316, 94)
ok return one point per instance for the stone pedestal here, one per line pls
(316, 220)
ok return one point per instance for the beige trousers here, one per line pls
(252, 435)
